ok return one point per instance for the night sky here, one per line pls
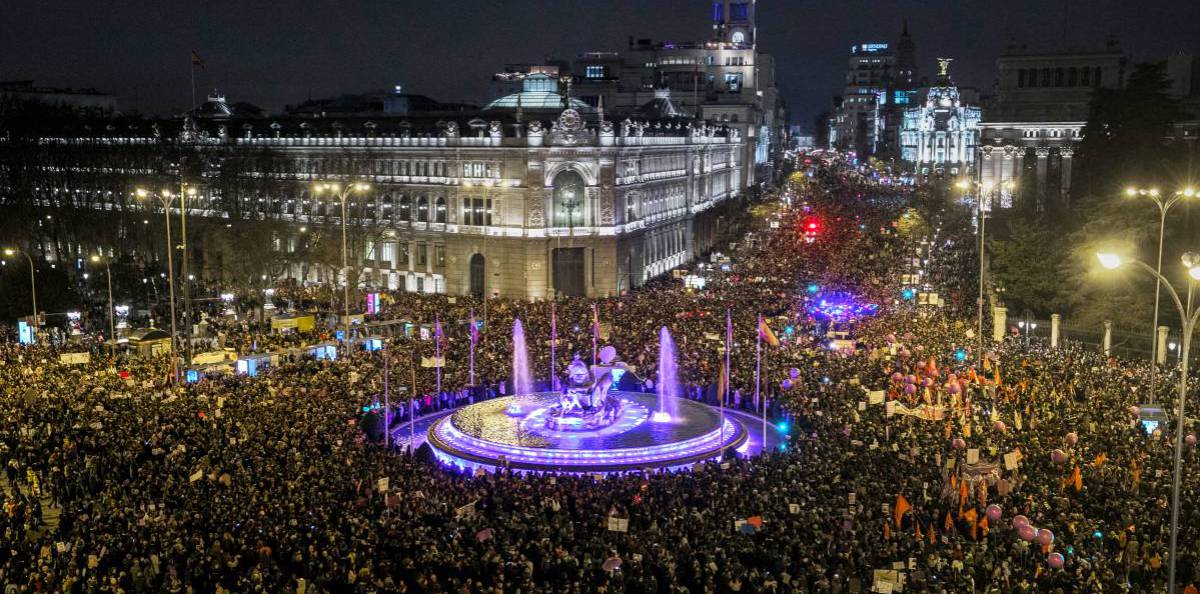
(274, 53)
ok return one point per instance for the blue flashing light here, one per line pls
(960, 355)
(908, 294)
(341, 335)
(813, 288)
(192, 376)
(783, 426)
(1098, 534)
(789, 330)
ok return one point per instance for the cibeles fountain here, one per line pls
(591, 425)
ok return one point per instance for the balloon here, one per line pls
(1045, 536)
(786, 384)
(999, 426)
(1055, 560)
(890, 338)
(994, 512)
(910, 389)
(953, 388)
(1020, 520)
(608, 354)
(958, 443)
(1072, 438)
(927, 382)
(1027, 533)
(1190, 440)
(1058, 456)
(911, 379)
(897, 376)
(795, 373)
(905, 353)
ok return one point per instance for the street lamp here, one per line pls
(341, 193)
(32, 281)
(166, 198)
(185, 192)
(1164, 204)
(112, 325)
(1187, 317)
(987, 189)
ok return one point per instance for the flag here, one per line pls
(919, 536)
(983, 525)
(1100, 460)
(1077, 479)
(902, 507)
(765, 333)
(970, 517)
(948, 524)
(197, 61)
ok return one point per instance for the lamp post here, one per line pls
(1187, 317)
(1164, 204)
(989, 190)
(112, 325)
(32, 282)
(166, 197)
(186, 192)
(341, 193)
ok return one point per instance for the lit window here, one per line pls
(733, 82)
(596, 72)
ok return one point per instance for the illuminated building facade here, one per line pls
(881, 79)
(939, 138)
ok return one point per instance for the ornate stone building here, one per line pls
(939, 137)
(1034, 123)
(555, 204)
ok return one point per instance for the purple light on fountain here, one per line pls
(522, 381)
(668, 379)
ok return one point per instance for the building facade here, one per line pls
(939, 137)
(554, 206)
(1034, 123)
(881, 79)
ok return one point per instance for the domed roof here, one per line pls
(661, 107)
(538, 91)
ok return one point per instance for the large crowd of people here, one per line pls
(912, 459)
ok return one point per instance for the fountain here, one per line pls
(522, 381)
(668, 380)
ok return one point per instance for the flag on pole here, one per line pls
(764, 332)
(902, 507)
(197, 61)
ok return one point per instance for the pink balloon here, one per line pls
(905, 353)
(1058, 456)
(786, 384)
(1190, 440)
(795, 373)
(953, 388)
(927, 382)
(1027, 533)
(994, 512)
(911, 379)
(1056, 560)
(910, 389)
(1020, 520)
(890, 338)
(999, 426)
(958, 443)
(897, 376)
(1072, 438)
(1045, 536)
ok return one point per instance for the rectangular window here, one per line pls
(401, 255)
(596, 72)
(389, 254)
(718, 12)
(739, 11)
(439, 256)
(733, 82)
(422, 254)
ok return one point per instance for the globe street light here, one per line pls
(1164, 204)
(166, 198)
(1187, 316)
(32, 282)
(341, 193)
(112, 326)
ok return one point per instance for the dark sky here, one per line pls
(271, 53)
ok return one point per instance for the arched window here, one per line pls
(405, 208)
(439, 210)
(569, 194)
(423, 209)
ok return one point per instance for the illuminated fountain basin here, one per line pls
(492, 434)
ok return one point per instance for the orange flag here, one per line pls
(948, 524)
(920, 535)
(1078, 479)
(1100, 460)
(962, 493)
(970, 517)
(902, 507)
(983, 525)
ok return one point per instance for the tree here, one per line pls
(1029, 263)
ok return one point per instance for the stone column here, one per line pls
(999, 323)
(1067, 154)
(1043, 154)
(1160, 353)
(1107, 337)
(1055, 326)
